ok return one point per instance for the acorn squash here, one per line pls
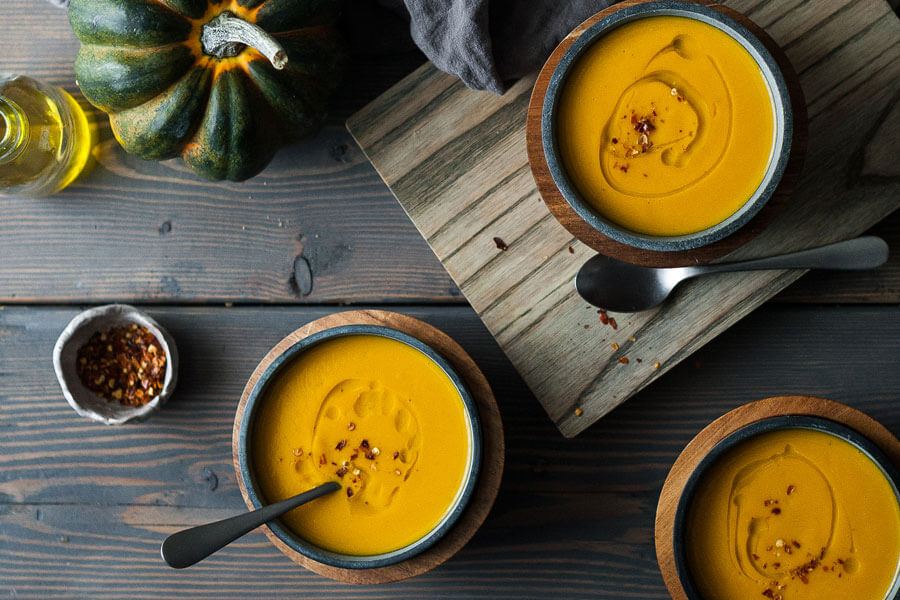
(223, 84)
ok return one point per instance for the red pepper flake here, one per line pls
(349, 493)
(364, 444)
(603, 317)
(323, 460)
(623, 360)
(790, 490)
(124, 363)
(776, 565)
(571, 250)
(341, 472)
(769, 594)
(351, 426)
(500, 244)
(396, 455)
(615, 140)
(795, 543)
(755, 556)
(340, 445)
(370, 455)
(643, 125)
(587, 326)
(354, 456)
(612, 323)
(802, 572)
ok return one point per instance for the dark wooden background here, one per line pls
(230, 269)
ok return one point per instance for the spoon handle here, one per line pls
(865, 252)
(187, 547)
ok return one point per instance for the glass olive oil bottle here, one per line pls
(44, 137)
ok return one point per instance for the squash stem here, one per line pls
(227, 35)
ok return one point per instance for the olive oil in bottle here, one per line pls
(44, 137)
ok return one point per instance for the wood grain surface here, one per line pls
(466, 181)
(84, 507)
(580, 228)
(699, 447)
(492, 448)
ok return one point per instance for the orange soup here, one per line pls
(380, 418)
(794, 514)
(666, 125)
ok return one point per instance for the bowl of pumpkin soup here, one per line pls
(666, 126)
(793, 507)
(380, 413)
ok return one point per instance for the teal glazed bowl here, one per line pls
(294, 541)
(779, 153)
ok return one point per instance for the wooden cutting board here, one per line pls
(456, 160)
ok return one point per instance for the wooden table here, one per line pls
(230, 269)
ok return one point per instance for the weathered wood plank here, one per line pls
(84, 507)
(471, 189)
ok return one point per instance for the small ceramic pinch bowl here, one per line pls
(798, 491)
(781, 110)
(245, 430)
(65, 355)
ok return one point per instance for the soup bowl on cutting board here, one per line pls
(666, 132)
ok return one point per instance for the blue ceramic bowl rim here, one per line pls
(839, 430)
(783, 122)
(317, 553)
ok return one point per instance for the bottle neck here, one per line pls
(13, 129)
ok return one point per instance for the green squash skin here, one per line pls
(158, 129)
(234, 140)
(193, 9)
(134, 23)
(115, 78)
(298, 95)
(276, 16)
(138, 63)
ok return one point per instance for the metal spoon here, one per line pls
(187, 547)
(622, 287)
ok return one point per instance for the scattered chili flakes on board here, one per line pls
(500, 244)
(124, 363)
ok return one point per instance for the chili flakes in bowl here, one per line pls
(115, 364)
(124, 364)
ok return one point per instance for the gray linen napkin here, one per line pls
(487, 43)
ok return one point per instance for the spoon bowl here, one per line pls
(623, 287)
